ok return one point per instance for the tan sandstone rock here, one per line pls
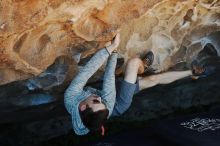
(33, 33)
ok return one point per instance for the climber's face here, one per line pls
(94, 102)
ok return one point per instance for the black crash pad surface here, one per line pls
(131, 137)
(201, 129)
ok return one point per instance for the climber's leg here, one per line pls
(133, 67)
(127, 87)
(162, 78)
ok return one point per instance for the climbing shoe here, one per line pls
(197, 70)
(147, 60)
(208, 50)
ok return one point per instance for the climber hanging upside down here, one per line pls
(90, 108)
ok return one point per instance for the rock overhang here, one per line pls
(33, 34)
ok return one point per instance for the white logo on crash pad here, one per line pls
(201, 125)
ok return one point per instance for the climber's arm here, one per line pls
(89, 69)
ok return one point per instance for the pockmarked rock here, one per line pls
(33, 34)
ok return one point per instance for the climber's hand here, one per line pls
(115, 43)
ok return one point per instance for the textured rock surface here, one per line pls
(33, 34)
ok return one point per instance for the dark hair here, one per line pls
(94, 120)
